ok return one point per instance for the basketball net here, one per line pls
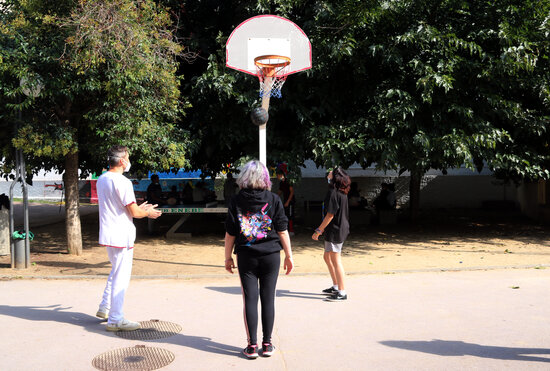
(272, 71)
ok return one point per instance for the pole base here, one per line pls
(19, 254)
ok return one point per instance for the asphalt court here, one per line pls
(486, 320)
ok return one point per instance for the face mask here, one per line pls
(127, 168)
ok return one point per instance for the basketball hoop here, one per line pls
(272, 71)
(263, 46)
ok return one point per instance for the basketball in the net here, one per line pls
(259, 116)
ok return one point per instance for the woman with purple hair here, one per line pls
(335, 226)
(256, 229)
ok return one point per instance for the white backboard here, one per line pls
(267, 35)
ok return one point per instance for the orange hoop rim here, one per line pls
(284, 63)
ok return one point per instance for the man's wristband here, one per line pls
(318, 231)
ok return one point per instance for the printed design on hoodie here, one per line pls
(255, 226)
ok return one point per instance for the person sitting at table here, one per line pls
(187, 193)
(198, 193)
(173, 196)
(209, 195)
(154, 191)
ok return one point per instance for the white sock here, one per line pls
(342, 292)
(335, 287)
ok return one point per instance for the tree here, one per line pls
(407, 85)
(435, 84)
(109, 73)
(222, 99)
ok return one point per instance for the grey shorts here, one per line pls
(333, 247)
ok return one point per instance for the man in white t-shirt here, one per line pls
(117, 208)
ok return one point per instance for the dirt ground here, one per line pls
(440, 240)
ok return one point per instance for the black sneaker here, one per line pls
(251, 351)
(330, 290)
(337, 297)
(267, 349)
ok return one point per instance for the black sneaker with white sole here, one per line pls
(251, 351)
(267, 349)
(330, 290)
(337, 297)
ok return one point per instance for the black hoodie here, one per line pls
(254, 217)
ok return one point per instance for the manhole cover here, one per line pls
(140, 357)
(151, 330)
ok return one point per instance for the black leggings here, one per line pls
(265, 270)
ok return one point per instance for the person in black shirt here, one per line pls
(154, 191)
(173, 196)
(382, 201)
(356, 201)
(256, 229)
(335, 226)
(286, 192)
(230, 188)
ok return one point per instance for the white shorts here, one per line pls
(333, 247)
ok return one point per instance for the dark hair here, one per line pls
(115, 154)
(154, 176)
(341, 180)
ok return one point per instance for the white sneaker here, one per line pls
(123, 325)
(102, 313)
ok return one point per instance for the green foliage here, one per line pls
(434, 84)
(222, 99)
(408, 85)
(109, 72)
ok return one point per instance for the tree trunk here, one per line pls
(70, 179)
(414, 193)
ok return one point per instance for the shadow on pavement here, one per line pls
(58, 313)
(201, 343)
(55, 313)
(459, 348)
(301, 295)
(226, 290)
(179, 263)
(279, 293)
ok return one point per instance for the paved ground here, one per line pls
(475, 320)
(489, 320)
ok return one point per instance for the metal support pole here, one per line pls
(12, 222)
(23, 172)
(12, 212)
(18, 255)
(262, 138)
(266, 95)
(18, 261)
